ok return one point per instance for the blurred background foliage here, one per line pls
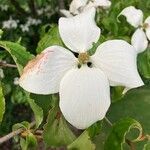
(33, 24)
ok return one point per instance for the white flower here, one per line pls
(16, 81)
(135, 18)
(4, 7)
(24, 27)
(33, 21)
(78, 6)
(40, 11)
(84, 90)
(10, 24)
(1, 73)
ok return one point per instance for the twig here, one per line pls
(18, 7)
(40, 132)
(2, 64)
(13, 133)
(10, 135)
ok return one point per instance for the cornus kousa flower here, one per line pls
(82, 82)
(135, 18)
(78, 6)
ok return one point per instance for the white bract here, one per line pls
(83, 82)
(78, 6)
(135, 18)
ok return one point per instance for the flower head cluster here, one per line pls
(135, 18)
(78, 6)
(10, 24)
(82, 82)
(4, 7)
(30, 22)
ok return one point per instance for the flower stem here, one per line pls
(108, 121)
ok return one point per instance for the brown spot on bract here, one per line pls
(32, 64)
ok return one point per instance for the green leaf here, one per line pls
(116, 93)
(56, 131)
(18, 53)
(94, 129)
(24, 125)
(43, 101)
(136, 104)
(144, 63)
(49, 39)
(83, 142)
(40, 2)
(117, 137)
(2, 103)
(30, 142)
(38, 112)
(147, 146)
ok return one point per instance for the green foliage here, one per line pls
(18, 53)
(95, 129)
(50, 38)
(135, 104)
(56, 132)
(144, 63)
(2, 103)
(23, 125)
(29, 141)
(38, 112)
(82, 142)
(43, 101)
(116, 93)
(147, 146)
(117, 137)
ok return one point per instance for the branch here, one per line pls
(18, 7)
(32, 8)
(2, 64)
(13, 133)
